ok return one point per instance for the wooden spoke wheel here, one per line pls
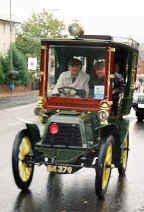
(124, 152)
(103, 167)
(21, 171)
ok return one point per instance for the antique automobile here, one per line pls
(138, 105)
(79, 131)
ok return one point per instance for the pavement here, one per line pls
(25, 93)
(8, 100)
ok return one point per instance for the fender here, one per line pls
(113, 130)
(34, 132)
(110, 129)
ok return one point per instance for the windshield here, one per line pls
(76, 72)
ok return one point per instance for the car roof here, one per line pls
(96, 40)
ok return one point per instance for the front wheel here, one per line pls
(124, 156)
(103, 167)
(21, 171)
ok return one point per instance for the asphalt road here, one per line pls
(68, 193)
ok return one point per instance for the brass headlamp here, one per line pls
(75, 30)
(103, 114)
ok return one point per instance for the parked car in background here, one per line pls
(138, 105)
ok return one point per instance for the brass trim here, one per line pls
(104, 107)
(132, 86)
(112, 76)
(41, 97)
(110, 102)
(109, 65)
(40, 102)
(104, 122)
(106, 101)
(43, 47)
(112, 49)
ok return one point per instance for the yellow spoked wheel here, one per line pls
(103, 167)
(124, 156)
(107, 166)
(22, 172)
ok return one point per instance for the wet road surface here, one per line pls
(69, 193)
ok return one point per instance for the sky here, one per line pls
(124, 18)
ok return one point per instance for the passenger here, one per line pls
(118, 87)
(98, 77)
(74, 77)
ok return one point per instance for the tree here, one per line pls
(41, 25)
(19, 64)
(2, 76)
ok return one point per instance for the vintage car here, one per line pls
(80, 131)
(138, 105)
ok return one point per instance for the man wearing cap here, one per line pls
(74, 78)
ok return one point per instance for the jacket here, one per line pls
(65, 79)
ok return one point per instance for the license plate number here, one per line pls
(60, 169)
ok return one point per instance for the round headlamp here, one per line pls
(75, 30)
(103, 116)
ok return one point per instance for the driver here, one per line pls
(73, 78)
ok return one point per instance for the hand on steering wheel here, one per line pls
(68, 91)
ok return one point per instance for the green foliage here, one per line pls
(41, 25)
(5, 67)
(19, 64)
(2, 76)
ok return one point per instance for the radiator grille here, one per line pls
(69, 135)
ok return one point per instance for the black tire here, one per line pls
(22, 173)
(103, 167)
(139, 114)
(139, 118)
(124, 156)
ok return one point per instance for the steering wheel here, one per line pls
(70, 91)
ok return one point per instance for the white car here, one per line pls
(138, 105)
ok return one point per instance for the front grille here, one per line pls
(69, 135)
(141, 99)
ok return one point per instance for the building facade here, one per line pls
(5, 36)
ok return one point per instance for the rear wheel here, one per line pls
(125, 149)
(21, 171)
(140, 115)
(103, 167)
(139, 118)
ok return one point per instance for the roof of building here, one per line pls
(8, 20)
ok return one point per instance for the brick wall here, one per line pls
(5, 88)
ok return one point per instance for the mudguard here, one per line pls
(34, 132)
